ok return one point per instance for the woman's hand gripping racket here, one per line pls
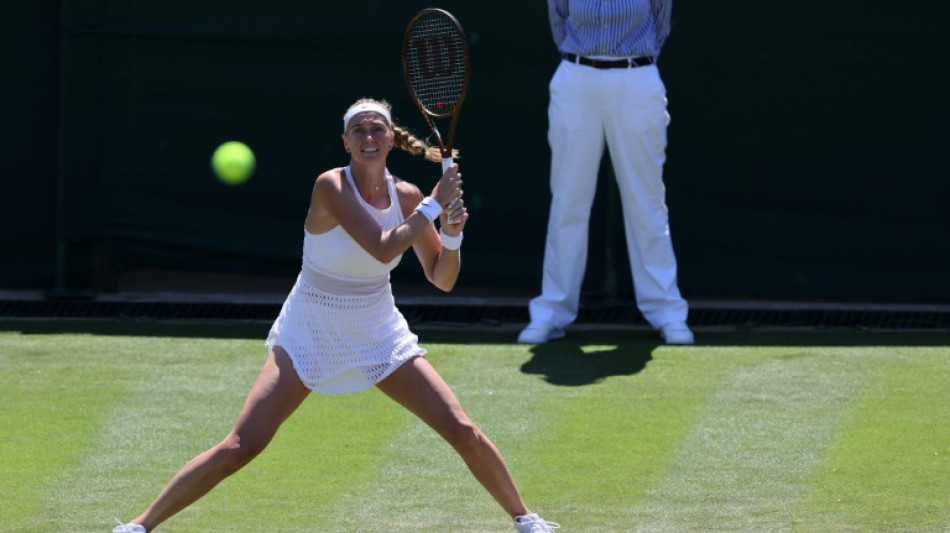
(435, 63)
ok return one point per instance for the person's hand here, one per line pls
(449, 187)
(453, 218)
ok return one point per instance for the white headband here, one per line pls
(361, 108)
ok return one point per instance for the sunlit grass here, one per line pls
(604, 431)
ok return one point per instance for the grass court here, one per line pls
(605, 431)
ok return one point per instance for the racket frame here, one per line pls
(444, 147)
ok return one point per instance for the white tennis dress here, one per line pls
(339, 324)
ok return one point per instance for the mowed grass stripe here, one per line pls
(142, 407)
(319, 461)
(615, 436)
(319, 457)
(747, 460)
(176, 397)
(49, 408)
(421, 484)
(888, 469)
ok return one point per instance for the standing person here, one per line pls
(339, 330)
(608, 88)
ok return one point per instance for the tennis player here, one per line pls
(339, 330)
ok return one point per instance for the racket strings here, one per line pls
(435, 61)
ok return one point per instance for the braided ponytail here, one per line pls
(415, 146)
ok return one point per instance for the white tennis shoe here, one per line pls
(677, 333)
(532, 523)
(128, 528)
(539, 332)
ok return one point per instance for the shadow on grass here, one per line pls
(579, 362)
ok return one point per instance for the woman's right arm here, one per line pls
(332, 204)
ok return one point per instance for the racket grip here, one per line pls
(446, 163)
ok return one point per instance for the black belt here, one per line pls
(614, 63)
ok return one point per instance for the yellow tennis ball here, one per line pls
(233, 163)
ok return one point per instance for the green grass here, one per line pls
(605, 430)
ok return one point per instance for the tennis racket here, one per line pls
(435, 64)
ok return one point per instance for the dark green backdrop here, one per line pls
(804, 158)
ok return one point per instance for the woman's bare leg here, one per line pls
(275, 395)
(419, 388)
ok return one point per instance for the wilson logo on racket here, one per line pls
(437, 56)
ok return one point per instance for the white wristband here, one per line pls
(450, 242)
(429, 208)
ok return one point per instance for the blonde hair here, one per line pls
(403, 138)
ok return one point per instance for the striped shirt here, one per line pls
(610, 28)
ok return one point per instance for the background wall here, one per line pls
(804, 158)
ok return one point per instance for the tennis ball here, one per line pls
(233, 163)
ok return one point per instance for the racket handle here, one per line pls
(446, 163)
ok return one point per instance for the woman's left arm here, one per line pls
(440, 264)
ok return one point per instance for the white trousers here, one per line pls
(627, 108)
